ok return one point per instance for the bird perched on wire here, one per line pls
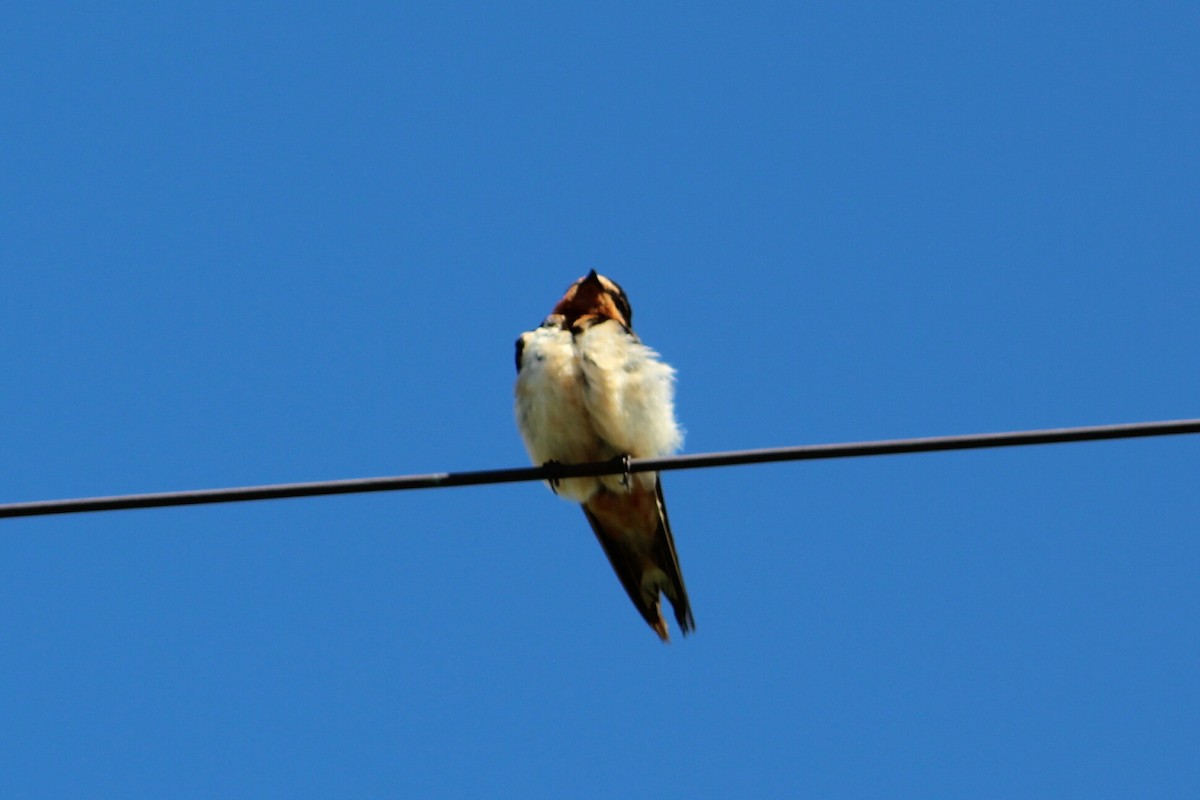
(589, 390)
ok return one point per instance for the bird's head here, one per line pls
(595, 296)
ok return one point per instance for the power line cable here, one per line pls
(553, 472)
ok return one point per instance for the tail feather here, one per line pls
(635, 533)
(669, 560)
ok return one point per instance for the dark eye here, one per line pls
(622, 304)
(614, 290)
(626, 311)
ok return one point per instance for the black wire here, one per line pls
(549, 472)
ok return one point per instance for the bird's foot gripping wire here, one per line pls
(622, 461)
(553, 479)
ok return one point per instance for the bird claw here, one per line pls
(626, 476)
(553, 480)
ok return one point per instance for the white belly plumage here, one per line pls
(592, 397)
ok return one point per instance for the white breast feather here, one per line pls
(593, 397)
(629, 392)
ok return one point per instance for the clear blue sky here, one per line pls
(275, 242)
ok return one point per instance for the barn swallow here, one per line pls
(589, 390)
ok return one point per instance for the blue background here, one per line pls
(279, 242)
